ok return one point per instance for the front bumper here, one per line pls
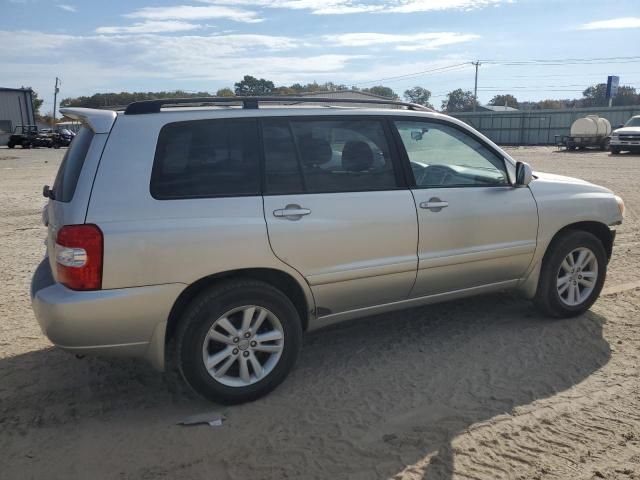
(633, 145)
(129, 322)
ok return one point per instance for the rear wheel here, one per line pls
(572, 275)
(238, 341)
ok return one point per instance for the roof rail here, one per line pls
(154, 106)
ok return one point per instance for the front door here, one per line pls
(336, 211)
(476, 229)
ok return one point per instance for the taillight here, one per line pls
(79, 257)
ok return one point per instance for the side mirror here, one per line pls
(524, 174)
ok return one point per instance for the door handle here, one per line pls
(434, 204)
(292, 212)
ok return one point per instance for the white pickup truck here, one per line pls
(627, 137)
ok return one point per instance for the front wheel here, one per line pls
(615, 151)
(11, 145)
(238, 341)
(572, 275)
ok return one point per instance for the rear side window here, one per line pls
(67, 179)
(206, 158)
(327, 155)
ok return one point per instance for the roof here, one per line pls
(350, 94)
(498, 108)
(22, 89)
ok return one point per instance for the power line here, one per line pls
(424, 72)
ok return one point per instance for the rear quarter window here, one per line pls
(67, 179)
(206, 158)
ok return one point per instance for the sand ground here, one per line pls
(484, 388)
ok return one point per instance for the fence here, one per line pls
(538, 127)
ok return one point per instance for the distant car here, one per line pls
(627, 137)
(62, 137)
(221, 234)
(28, 136)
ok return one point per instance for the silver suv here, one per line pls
(226, 230)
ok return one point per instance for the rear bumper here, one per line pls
(128, 322)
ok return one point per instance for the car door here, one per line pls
(336, 209)
(475, 228)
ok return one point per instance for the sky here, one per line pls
(533, 49)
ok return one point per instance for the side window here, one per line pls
(66, 180)
(327, 155)
(443, 156)
(206, 158)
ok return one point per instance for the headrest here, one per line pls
(315, 151)
(357, 156)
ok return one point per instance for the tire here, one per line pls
(548, 297)
(10, 145)
(615, 151)
(604, 146)
(230, 301)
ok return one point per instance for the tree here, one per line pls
(507, 100)
(110, 100)
(595, 96)
(382, 92)
(37, 103)
(458, 101)
(418, 95)
(225, 92)
(252, 86)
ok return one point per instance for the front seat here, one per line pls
(357, 156)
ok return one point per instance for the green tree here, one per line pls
(37, 102)
(251, 86)
(595, 96)
(111, 100)
(382, 91)
(458, 101)
(507, 100)
(225, 92)
(418, 95)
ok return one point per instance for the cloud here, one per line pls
(411, 42)
(614, 23)
(150, 26)
(68, 8)
(340, 7)
(188, 12)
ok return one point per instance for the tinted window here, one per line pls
(282, 172)
(332, 155)
(65, 184)
(443, 156)
(206, 158)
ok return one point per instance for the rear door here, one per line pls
(476, 229)
(72, 186)
(336, 209)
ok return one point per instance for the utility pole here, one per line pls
(55, 102)
(475, 88)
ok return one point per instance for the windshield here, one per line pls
(633, 122)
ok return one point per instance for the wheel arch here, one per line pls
(529, 285)
(285, 282)
(598, 229)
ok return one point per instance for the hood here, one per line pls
(626, 130)
(567, 183)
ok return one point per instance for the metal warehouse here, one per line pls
(16, 108)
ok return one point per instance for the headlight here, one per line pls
(620, 203)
